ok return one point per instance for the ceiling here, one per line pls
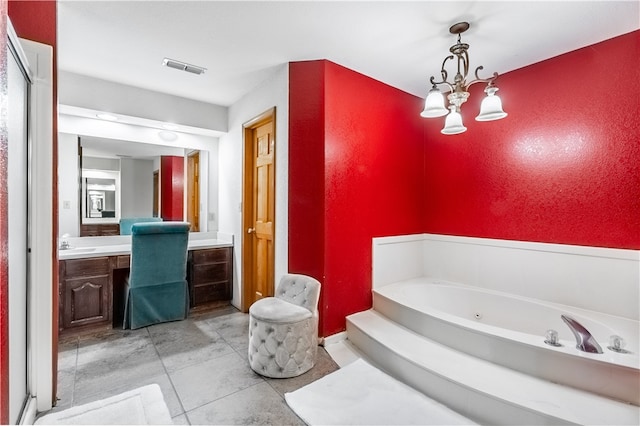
(115, 148)
(240, 42)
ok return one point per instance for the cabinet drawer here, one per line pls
(211, 255)
(210, 272)
(85, 267)
(123, 261)
(211, 292)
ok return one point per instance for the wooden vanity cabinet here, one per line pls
(99, 229)
(91, 290)
(85, 293)
(210, 275)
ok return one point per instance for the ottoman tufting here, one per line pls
(283, 330)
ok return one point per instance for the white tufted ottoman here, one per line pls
(283, 330)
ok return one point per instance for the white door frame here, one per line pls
(39, 58)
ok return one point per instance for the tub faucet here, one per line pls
(584, 340)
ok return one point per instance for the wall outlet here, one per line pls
(66, 204)
(212, 216)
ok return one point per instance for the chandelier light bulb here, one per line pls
(453, 123)
(434, 104)
(491, 107)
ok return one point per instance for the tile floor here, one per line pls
(200, 364)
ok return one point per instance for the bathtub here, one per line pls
(510, 330)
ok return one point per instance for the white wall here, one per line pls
(98, 163)
(136, 188)
(88, 92)
(68, 216)
(274, 91)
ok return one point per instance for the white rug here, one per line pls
(142, 406)
(360, 394)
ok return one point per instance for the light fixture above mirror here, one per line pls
(491, 107)
(106, 116)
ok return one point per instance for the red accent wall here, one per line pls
(36, 20)
(355, 172)
(4, 237)
(171, 187)
(306, 163)
(563, 167)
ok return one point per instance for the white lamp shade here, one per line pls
(491, 107)
(434, 104)
(453, 124)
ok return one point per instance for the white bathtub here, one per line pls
(510, 330)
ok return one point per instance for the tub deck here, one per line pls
(481, 390)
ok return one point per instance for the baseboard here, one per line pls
(334, 338)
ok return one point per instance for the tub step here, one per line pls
(483, 391)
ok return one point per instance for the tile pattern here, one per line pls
(200, 364)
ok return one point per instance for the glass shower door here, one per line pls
(18, 223)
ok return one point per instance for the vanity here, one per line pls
(93, 271)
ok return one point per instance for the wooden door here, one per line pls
(193, 191)
(259, 209)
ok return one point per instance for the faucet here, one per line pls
(64, 243)
(584, 340)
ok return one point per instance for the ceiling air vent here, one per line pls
(172, 63)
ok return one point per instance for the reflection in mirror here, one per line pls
(128, 168)
(114, 179)
(100, 196)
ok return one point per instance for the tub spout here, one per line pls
(584, 340)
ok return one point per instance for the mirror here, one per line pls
(99, 196)
(116, 179)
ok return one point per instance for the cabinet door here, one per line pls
(86, 301)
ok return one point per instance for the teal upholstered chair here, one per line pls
(156, 289)
(127, 222)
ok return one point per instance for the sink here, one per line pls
(78, 250)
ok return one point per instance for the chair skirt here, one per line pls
(150, 305)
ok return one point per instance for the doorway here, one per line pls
(193, 190)
(258, 208)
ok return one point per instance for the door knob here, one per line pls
(251, 230)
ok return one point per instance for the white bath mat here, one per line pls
(360, 394)
(142, 406)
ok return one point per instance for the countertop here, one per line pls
(86, 247)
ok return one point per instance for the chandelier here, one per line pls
(491, 107)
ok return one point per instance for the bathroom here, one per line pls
(561, 169)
